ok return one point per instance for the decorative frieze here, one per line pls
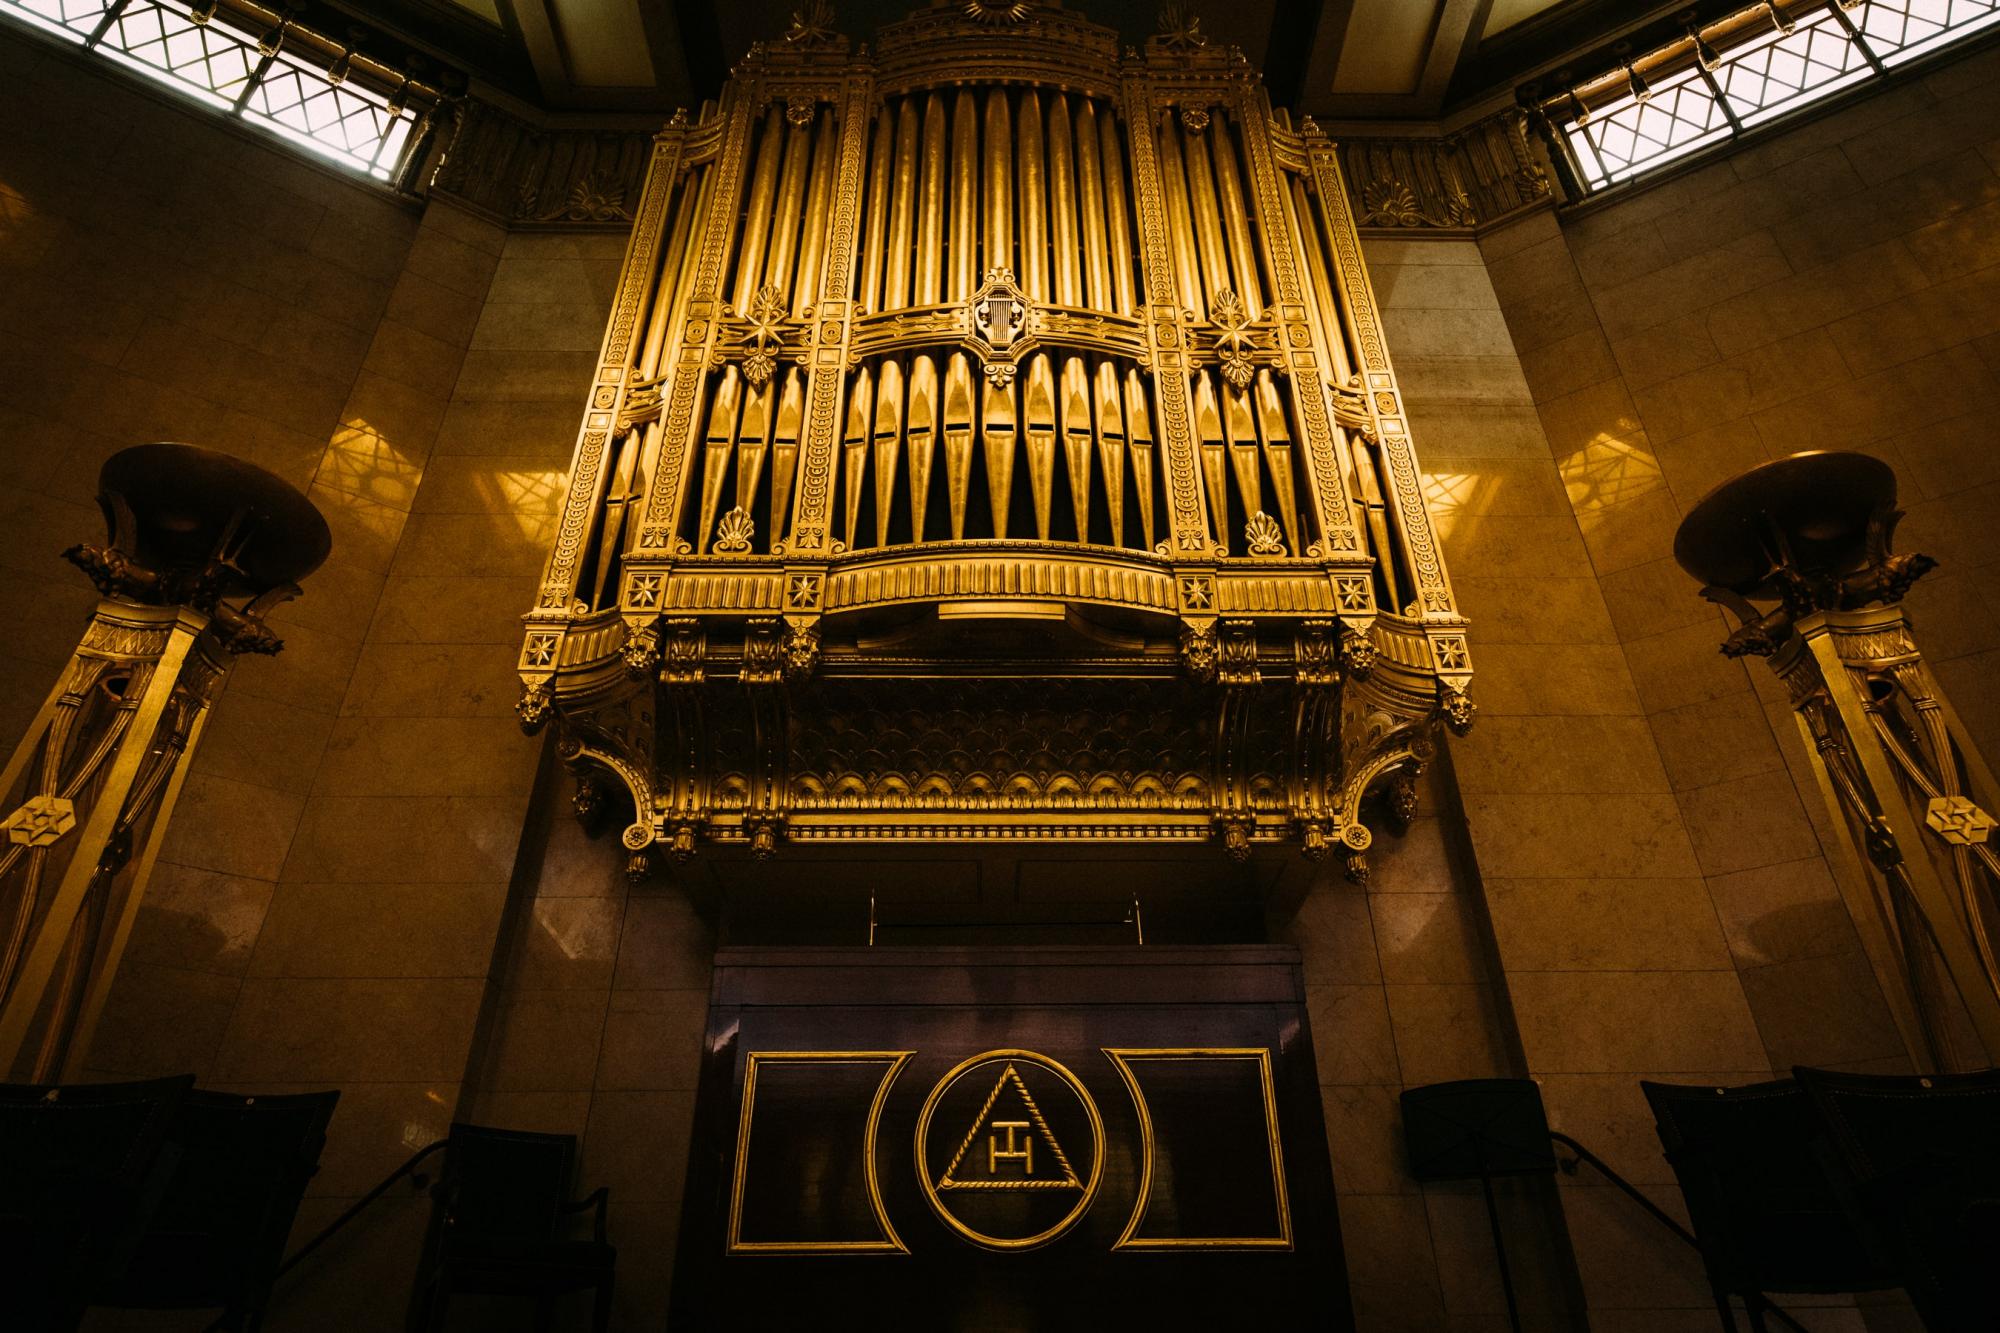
(1458, 182)
(526, 174)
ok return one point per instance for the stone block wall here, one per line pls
(1651, 845)
(375, 883)
(327, 907)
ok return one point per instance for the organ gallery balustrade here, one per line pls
(994, 437)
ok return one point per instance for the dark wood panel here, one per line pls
(1140, 1147)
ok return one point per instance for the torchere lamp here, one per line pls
(200, 547)
(1798, 550)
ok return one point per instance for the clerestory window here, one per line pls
(259, 66)
(1687, 95)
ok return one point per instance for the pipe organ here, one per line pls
(994, 437)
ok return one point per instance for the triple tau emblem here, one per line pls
(1010, 1146)
(1027, 1164)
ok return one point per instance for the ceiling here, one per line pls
(1335, 59)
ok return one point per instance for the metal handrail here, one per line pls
(1660, 1215)
(406, 1169)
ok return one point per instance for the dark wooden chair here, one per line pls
(81, 1171)
(218, 1235)
(1764, 1213)
(1916, 1159)
(498, 1228)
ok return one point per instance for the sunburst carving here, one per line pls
(997, 11)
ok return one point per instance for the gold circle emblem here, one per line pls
(1010, 1181)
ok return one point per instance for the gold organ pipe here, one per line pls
(635, 467)
(721, 440)
(957, 438)
(903, 211)
(888, 444)
(1090, 182)
(668, 277)
(1111, 447)
(819, 209)
(1116, 221)
(999, 175)
(1139, 444)
(1077, 435)
(1207, 215)
(881, 176)
(860, 395)
(964, 196)
(1239, 427)
(1040, 415)
(923, 415)
(997, 429)
(1236, 221)
(1305, 229)
(930, 215)
(619, 493)
(682, 275)
(791, 205)
(1034, 264)
(1277, 432)
(757, 221)
(1369, 486)
(1180, 222)
(1068, 284)
(753, 441)
(785, 448)
(1214, 456)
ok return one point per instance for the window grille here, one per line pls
(269, 79)
(1791, 63)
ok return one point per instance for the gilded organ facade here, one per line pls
(994, 437)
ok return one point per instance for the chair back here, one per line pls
(1918, 1157)
(505, 1184)
(1477, 1127)
(81, 1170)
(219, 1233)
(1766, 1215)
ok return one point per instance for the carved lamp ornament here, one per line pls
(200, 547)
(1798, 550)
(961, 463)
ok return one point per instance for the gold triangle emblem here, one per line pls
(1010, 1142)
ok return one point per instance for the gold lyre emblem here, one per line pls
(1009, 1142)
(999, 325)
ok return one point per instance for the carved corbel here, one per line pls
(1455, 706)
(638, 839)
(535, 707)
(1235, 831)
(765, 657)
(1315, 767)
(1403, 800)
(1357, 655)
(801, 651)
(588, 802)
(683, 747)
(1201, 652)
(641, 652)
(1237, 673)
(1316, 659)
(683, 656)
(1237, 664)
(1452, 661)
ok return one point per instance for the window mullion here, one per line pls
(111, 16)
(1839, 12)
(1721, 98)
